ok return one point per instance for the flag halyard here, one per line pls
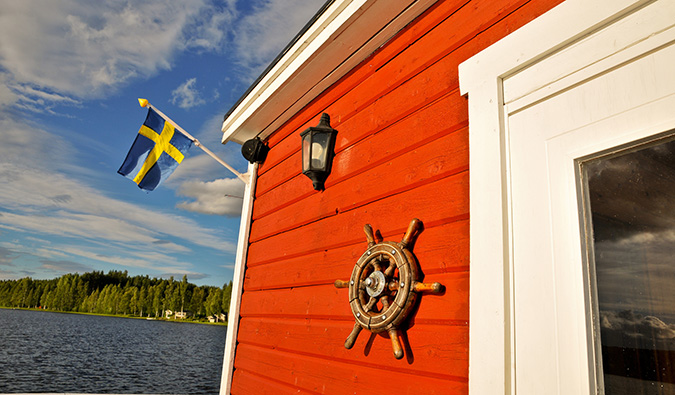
(156, 152)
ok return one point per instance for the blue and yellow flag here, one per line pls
(156, 152)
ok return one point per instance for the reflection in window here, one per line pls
(632, 202)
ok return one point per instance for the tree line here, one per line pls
(116, 293)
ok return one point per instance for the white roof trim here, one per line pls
(346, 33)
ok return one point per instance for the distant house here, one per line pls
(168, 313)
(218, 318)
(181, 315)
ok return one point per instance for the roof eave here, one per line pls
(342, 35)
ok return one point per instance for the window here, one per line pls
(575, 82)
(629, 200)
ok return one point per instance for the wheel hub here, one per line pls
(375, 284)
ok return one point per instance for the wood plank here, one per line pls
(328, 302)
(434, 349)
(440, 249)
(424, 54)
(410, 98)
(421, 89)
(411, 33)
(442, 157)
(401, 66)
(337, 377)
(247, 383)
(439, 118)
(390, 215)
(493, 31)
(428, 63)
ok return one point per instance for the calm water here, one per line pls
(52, 352)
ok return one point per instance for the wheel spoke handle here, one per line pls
(351, 339)
(341, 284)
(395, 344)
(435, 288)
(369, 235)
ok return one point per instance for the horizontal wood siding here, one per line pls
(402, 152)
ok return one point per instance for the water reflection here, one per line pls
(57, 353)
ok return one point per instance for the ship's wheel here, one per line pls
(383, 286)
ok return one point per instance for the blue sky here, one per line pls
(70, 74)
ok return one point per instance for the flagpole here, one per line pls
(243, 177)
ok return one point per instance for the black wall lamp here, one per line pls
(318, 143)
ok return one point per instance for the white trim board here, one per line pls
(238, 282)
(342, 37)
(491, 350)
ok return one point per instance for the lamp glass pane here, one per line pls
(320, 151)
(306, 151)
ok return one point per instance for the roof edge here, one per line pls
(341, 35)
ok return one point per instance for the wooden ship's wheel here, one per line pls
(383, 287)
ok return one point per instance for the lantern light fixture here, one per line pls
(318, 143)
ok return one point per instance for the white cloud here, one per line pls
(142, 259)
(199, 166)
(61, 52)
(636, 325)
(39, 198)
(64, 266)
(220, 197)
(7, 255)
(194, 178)
(260, 36)
(108, 254)
(7, 97)
(67, 207)
(209, 31)
(58, 52)
(187, 95)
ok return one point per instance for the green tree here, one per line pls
(214, 301)
(197, 302)
(124, 303)
(182, 290)
(158, 299)
(115, 293)
(227, 296)
(142, 303)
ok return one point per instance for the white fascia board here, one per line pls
(515, 52)
(346, 33)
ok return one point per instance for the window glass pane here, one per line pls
(631, 195)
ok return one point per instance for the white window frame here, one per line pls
(492, 348)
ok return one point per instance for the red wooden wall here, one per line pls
(402, 152)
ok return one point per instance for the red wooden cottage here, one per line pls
(513, 130)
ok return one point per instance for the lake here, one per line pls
(55, 352)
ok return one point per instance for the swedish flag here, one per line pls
(155, 153)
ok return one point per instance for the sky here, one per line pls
(70, 75)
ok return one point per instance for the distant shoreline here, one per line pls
(117, 316)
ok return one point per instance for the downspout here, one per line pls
(238, 281)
